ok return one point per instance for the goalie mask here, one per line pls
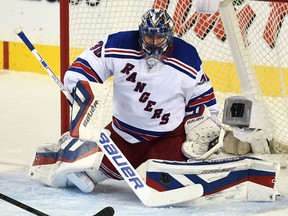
(156, 34)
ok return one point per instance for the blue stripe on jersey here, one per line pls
(203, 95)
(196, 111)
(207, 98)
(191, 110)
(207, 104)
(179, 69)
(83, 67)
(137, 133)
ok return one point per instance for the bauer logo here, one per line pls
(119, 161)
(190, 121)
(231, 169)
(90, 113)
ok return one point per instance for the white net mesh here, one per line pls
(263, 28)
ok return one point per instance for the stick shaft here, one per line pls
(107, 210)
(31, 47)
(22, 205)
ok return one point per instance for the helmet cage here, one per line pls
(156, 24)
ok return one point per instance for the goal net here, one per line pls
(244, 47)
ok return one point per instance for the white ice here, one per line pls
(30, 116)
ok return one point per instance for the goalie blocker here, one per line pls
(250, 126)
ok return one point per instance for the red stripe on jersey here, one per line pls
(202, 100)
(87, 70)
(124, 51)
(192, 70)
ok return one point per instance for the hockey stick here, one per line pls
(107, 211)
(147, 195)
(30, 46)
(215, 148)
(22, 205)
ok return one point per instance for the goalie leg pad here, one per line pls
(239, 178)
(54, 164)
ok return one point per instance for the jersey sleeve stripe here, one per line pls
(195, 112)
(83, 67)
(209, 92)
(190, 112)
(201, 100)
(207, 98)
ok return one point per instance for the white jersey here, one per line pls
(147, 103)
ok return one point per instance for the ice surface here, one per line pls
(29, 116)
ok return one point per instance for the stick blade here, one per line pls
(172, 197)
(107, 211)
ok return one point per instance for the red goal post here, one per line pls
(249, 59)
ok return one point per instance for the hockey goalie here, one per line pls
(81, 163)
(164, 124)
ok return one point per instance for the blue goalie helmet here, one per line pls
(156, 34)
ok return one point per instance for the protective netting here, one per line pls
(263, 29)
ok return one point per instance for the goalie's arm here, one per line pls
(89, 66)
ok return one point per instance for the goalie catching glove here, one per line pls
(202, 134)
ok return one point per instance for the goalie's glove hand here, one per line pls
(202, 134)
